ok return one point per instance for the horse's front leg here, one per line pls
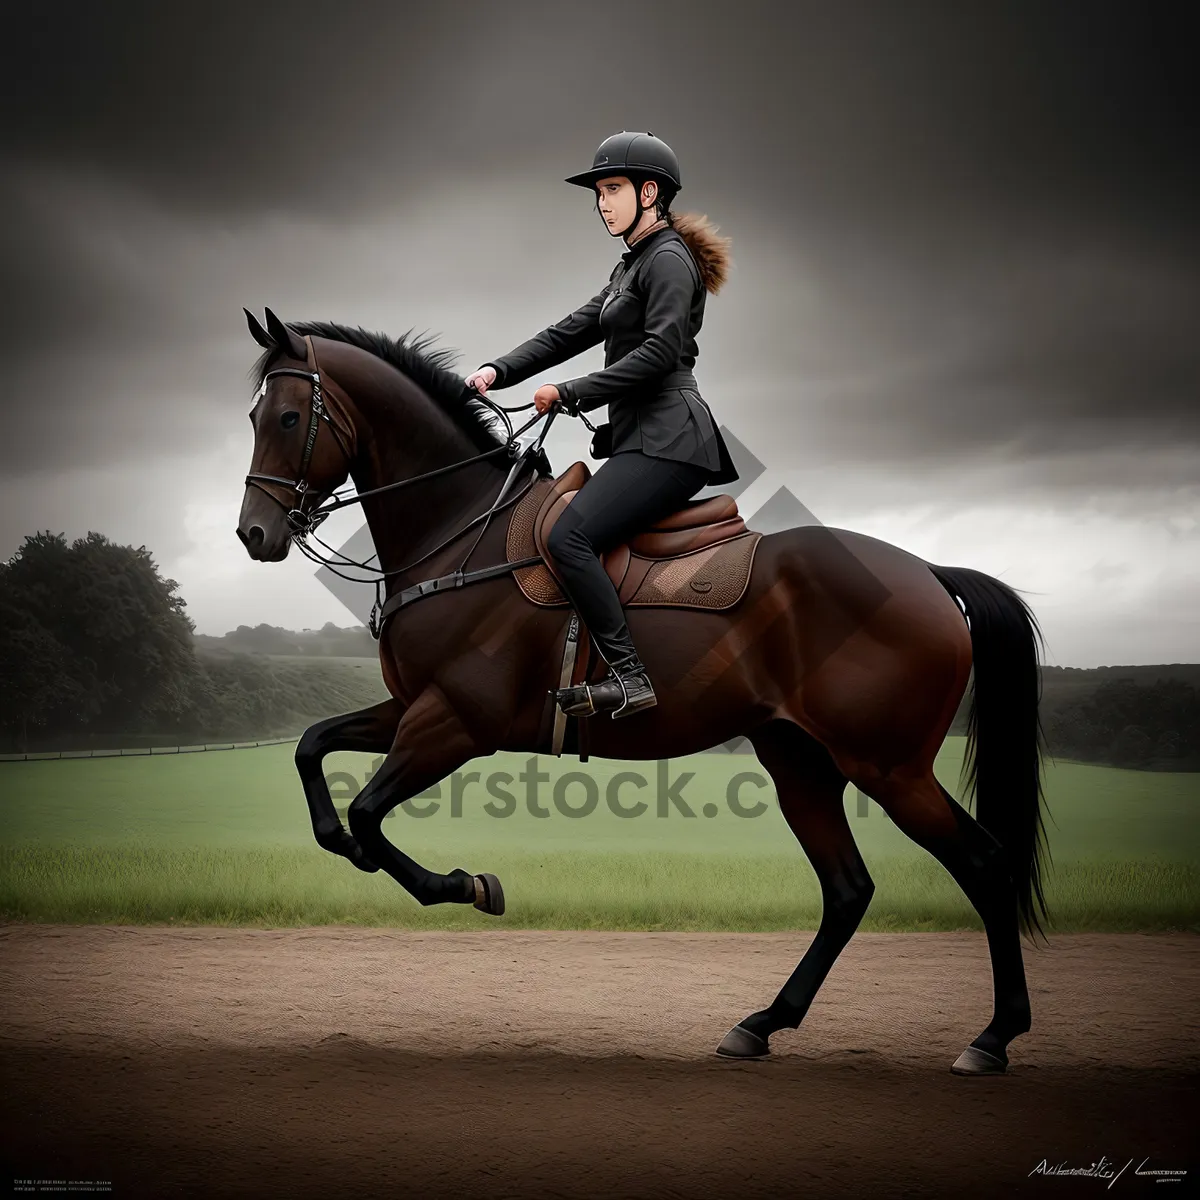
(369, 729)
(430, 743)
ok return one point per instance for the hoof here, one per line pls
(348, 846)
(741, 1043)
(362, 862)
(489, 895)
(973, 1061)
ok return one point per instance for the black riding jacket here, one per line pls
(647, 315)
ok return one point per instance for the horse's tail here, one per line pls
(1005, 739)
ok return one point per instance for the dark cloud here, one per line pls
(1035, 349)
(223, 106)
(959, 231)
(228, 104)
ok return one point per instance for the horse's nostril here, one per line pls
(254, 539)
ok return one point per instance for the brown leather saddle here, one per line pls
(698, 557)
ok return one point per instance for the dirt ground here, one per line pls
(333, 1062)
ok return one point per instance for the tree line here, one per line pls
(96, 649)
(96, 645)
(1127, 724)
(330, 641)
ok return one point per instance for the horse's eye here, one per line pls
(289, 419)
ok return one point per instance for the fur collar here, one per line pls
(710, 251)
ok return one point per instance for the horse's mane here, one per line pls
(428, 368)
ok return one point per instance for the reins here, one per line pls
(304, 523)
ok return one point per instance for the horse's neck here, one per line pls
(408, 522)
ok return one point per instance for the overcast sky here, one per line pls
(964, 314)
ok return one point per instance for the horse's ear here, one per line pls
(285, 339)
(257, 332)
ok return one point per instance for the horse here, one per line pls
(844, 661)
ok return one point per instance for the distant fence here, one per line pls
(141, 752)
(733, 746)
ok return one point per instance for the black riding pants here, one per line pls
(628, 493)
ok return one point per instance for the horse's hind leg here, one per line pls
(924, 810)
(810, 792)
(369, 729)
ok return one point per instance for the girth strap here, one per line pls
(446, 583)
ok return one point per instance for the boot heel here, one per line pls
(643, 696)
(629, 709)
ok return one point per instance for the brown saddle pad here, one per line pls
(666, 574)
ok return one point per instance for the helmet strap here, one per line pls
(638, 184)
(634, 223)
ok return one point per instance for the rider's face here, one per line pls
(617, 201)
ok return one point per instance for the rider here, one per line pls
(665, 444)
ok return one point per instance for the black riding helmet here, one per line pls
(639, 157)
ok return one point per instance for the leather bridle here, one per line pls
(304, 522)
(325, 406)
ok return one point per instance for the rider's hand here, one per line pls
(544, 397)
(482, 380)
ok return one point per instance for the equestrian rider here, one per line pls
(665, 444)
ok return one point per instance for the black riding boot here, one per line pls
(623, 691)
(628, 493)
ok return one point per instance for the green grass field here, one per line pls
(224, 838)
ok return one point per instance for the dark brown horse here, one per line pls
(844, 662)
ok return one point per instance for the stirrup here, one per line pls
(637, 688)
(622, 692)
